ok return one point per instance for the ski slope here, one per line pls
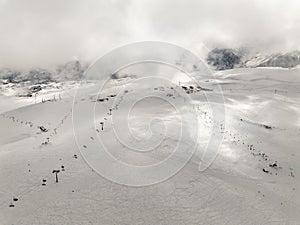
(254, 178)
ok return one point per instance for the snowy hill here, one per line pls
(72, 70)
(36, 81)
(223, 59)
(286, 60)
(34, 76)
(254, 179)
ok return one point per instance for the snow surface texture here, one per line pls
(254, 179)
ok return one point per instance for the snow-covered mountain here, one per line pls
(28, 83)
(225, 58)
(284, 60)
(33, 76)
(72, 70)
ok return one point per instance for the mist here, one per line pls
(38, 33)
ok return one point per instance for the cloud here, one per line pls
(44, 33)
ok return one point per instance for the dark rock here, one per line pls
(223, 59)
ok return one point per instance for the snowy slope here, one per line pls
(261, 127)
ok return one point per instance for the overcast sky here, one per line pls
(46, 32)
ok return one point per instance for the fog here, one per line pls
(38, 33)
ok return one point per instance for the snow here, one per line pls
(233, 190)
